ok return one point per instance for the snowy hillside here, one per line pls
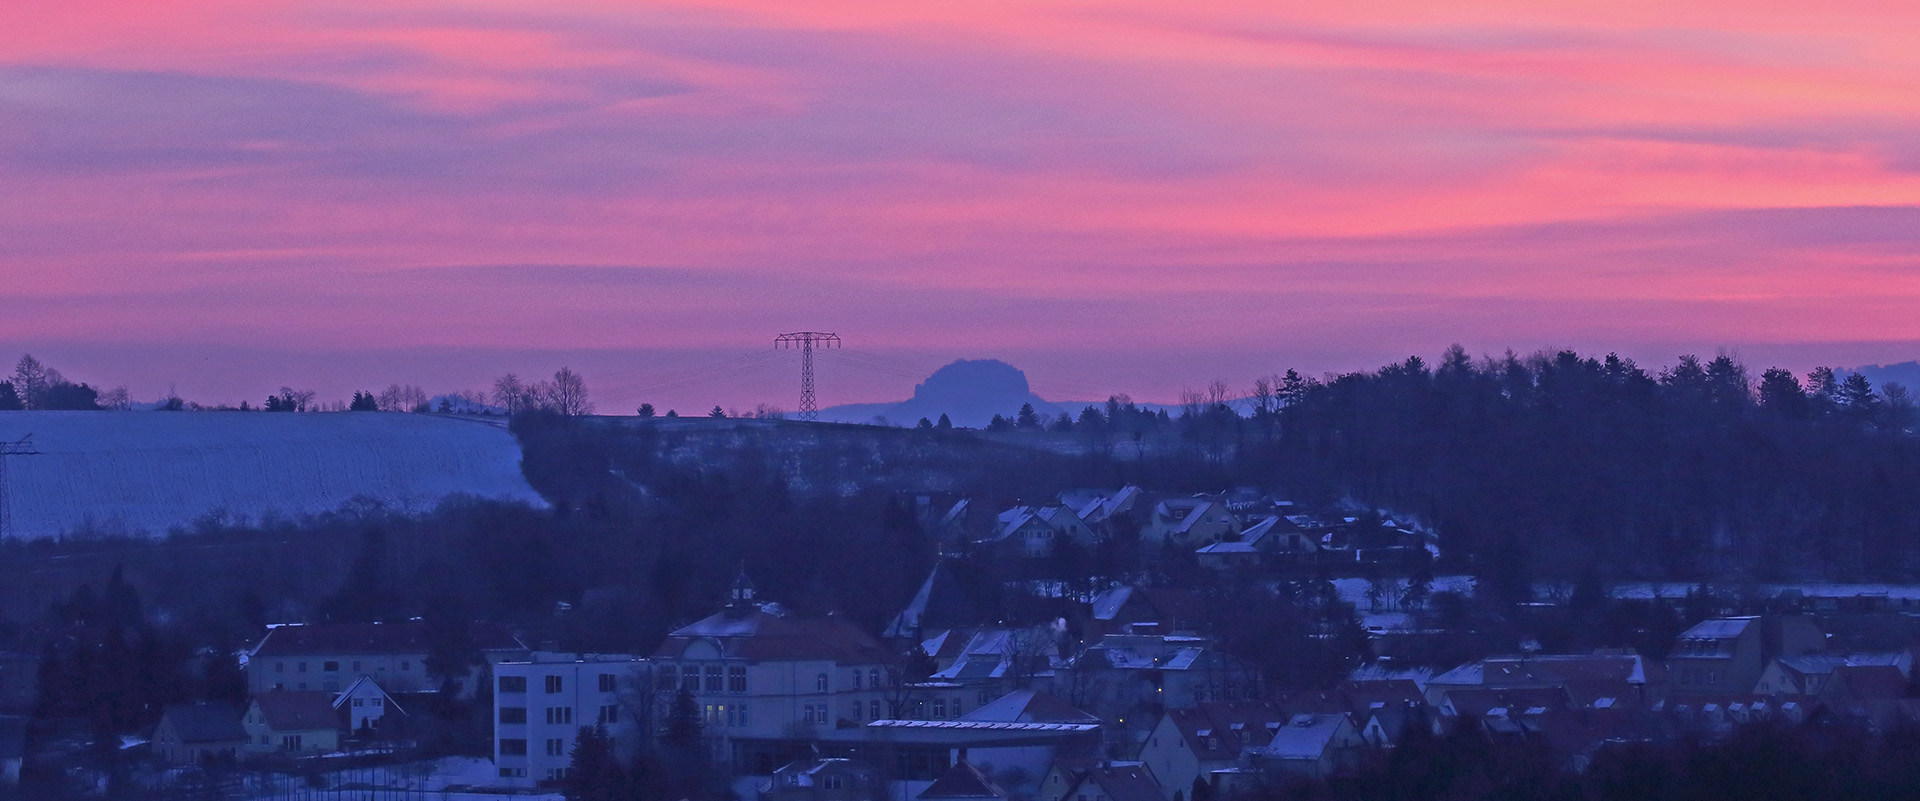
(137, 472)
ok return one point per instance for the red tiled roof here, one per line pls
(1125, 782)
(963, 781)
(297, 711)
(759, 635)
(404, 637)
(1229, 727)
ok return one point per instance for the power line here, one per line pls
(10, 449)
(805, 340)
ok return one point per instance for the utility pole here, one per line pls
(805, 341)
(10, 449)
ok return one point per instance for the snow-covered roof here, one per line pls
(1719, 629)
(1306, 736)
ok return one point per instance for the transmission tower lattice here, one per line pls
(8, 449)
(805, 341)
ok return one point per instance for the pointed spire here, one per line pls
(742, 586)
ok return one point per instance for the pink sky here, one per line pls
(223, 197)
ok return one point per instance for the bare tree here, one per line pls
(1217, 393)
(116, 399)
(568, 393)
(30, 380)
(509, 393)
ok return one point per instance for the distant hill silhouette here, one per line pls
(1906, 374)
(969, 391)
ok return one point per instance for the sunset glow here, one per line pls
(1147, 194)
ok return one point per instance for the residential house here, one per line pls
(1115, 781)
(1728, 655)
(1619, 674)
(1188, 523)
(1144, 610)
(292, 722)
(1807, 674)
(992, 662)
(1188, 744)
(540, 705)
(364, 707)
(829, 779)
(963, 782)
(329, 656)
(197, 733)
(1310, 745)
(1033, 531)
(1105, 513)
(1130, 679)
(1272, 540)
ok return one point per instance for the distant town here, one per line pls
(1400, 584)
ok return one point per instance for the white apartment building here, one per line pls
(540, 705)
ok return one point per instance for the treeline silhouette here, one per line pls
(1541, 467)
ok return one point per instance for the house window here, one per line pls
(553, 684)
(378, 702)
(737, 678)
(608, 682)
(830, 782)
(303, 667)
(559, 714)
(290, 742)
(330, 667)
(873, 678)
(513, 746)
(513, 684)
(820, 683)
(715, 682)
(406, 666)
(610, 713)
(513, 714)
(939, 709)
(665, 677)
(854, 715)
(873, 708)
(856, 678)
(556, 747)
(690, 678)
(357, 702)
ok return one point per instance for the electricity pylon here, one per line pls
(805, 341)
(10, 449)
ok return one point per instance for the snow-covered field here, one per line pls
(146, 472)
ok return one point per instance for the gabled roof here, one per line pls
(1218, 731)
(1027, 706)
(204, 722)
(1305, 737)
(963, 781)
(1131, 782)
(1719, 629)
(403, 637)
(1866, 683)
(766, 633)
(297, 710)
(362, 684)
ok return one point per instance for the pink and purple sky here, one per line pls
(224, 196)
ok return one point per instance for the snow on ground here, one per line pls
(449, 779)
(146, 472)
(1675, 589)
(1354, 590)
